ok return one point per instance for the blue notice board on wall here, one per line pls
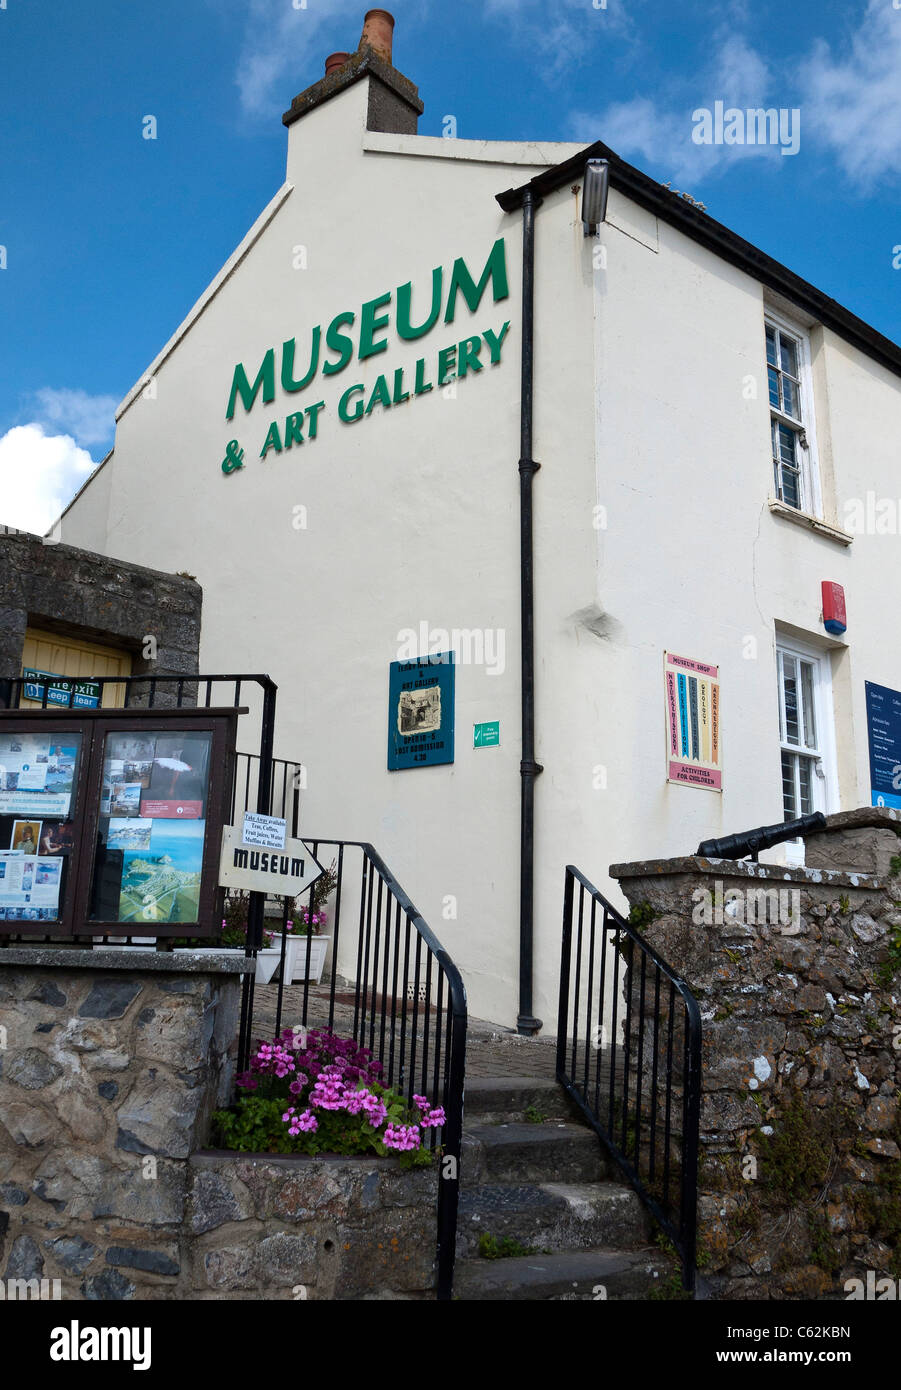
(884, 737)
(421, 712)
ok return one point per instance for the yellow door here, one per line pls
(69, 656)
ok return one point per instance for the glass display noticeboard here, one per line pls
(110, 821)
(153, 813)
(38, 778)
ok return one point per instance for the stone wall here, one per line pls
(800, 1169)
(59, 587)
(111, 1064)
(311, 1228)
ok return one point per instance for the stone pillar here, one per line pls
(798, 976)
(111, 1063)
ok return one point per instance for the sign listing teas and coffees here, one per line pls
(259, 856)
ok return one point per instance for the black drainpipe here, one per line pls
(528, 768)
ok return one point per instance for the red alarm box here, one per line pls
(834, 616)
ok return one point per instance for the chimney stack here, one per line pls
(378, 34)
(393, 104)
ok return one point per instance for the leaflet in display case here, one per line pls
(111, 820)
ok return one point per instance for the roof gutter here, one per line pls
(657, 199)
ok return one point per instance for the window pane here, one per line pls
(773, 378)
(805, 769)
(788, 446)
(791, 490)
(790, 400)
(790, 687)
(807, 707)
(788, 470)
(771, 346)
(788, 786)
(789, 354)
(153, 807)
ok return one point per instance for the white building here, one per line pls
(387, 503)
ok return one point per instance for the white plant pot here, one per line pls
(296, 957)
(269, 957)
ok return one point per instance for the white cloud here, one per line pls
(88, 419)
(854, 99)
(39, 474)
(285, 48)
(567, 34)
(659, 131)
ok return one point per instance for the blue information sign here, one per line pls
(74, 694)
(884, 735)
(421, 711)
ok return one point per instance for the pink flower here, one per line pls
(354, 1101)
(434, 1119)
(298, 1124)
(402, 1137)
(376, 1110)
(328, 1092)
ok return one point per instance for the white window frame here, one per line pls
(824, 782)
(805, 427)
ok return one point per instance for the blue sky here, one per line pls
(109, 237)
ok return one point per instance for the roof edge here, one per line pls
(716, 237)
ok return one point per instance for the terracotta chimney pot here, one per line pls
(335, 61)
(378, 32)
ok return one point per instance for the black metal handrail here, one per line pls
(629, 1056)
(409, 1007)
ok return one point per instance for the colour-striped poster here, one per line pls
(694, 756)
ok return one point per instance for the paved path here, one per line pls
(491, 1050)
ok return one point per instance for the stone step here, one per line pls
(531, 1153)
(586, 1275)
(493, 1099)
(553, 1216)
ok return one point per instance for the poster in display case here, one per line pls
(110, 820)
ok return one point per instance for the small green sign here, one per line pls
(486, 735)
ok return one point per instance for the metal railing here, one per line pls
(629, 1056)
(405, 1002)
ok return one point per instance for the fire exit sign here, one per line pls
(486, 735)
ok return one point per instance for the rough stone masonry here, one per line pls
(800, 1167)
(111, 1064)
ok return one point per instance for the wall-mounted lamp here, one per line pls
(594, 194)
